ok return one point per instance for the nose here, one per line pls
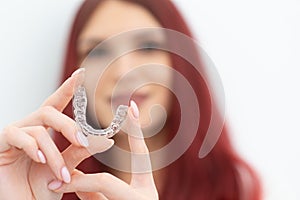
(123, 65)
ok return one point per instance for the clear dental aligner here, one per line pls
(79, 110)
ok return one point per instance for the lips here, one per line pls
(124, 99)
(139, 98)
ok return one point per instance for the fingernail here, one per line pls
(82, 139)
(65, 175)
(81, 75)
(54, 185)
(41, 157)
(78, 71)
(135, 110)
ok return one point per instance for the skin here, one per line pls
(22, 141)
(42, 179)
(124, 16)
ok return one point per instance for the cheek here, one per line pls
(102, 101)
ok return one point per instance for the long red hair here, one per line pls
(222, 174)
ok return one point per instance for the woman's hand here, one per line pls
(30, 160)
(104, 186)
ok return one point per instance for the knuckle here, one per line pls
(30, 144)
(45, 110)
(104, 177)
(39, 132)
(67, 94)
(68, 126)
(8, 129)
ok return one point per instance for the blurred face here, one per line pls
(110, 62)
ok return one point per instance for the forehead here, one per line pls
(115, 16)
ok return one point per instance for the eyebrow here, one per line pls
(139, 36)
(89, 41)
(149, 34)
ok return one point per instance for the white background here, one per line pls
(254, 44)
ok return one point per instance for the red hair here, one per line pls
(222, 174)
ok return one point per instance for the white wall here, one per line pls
(254, 45)
(32, 37)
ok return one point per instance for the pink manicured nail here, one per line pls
(81, 76)
(41, 157)
(78, 71)
(135, 110)
(65, 175)
(54, 185)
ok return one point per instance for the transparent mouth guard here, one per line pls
(79, 110)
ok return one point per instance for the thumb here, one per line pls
(141, 168)
(74, 155)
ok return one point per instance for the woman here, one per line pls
(222, 160)
(219, 175)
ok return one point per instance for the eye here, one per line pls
(98, 52)
(149, 46)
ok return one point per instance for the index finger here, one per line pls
(63, 95)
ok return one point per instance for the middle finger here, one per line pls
(53, 156)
